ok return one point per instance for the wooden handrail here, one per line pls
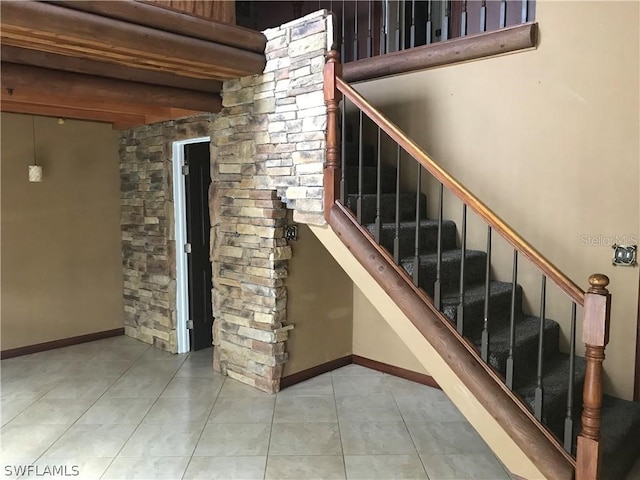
(499, 225)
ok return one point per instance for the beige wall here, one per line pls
(319, 304)
(61, 266)
(373, 338)
(549, 139)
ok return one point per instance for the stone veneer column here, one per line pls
(148, 230)
(268, 147)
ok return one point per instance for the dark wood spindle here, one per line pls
(398, 26)
(396, 238)
(437, 286)
(463, 19)
(539, 391)
(484, 349)
(412, 39)
(360, 169)
(512, 321)
(370, 30)
(383, 27)
(355, 32)
(428, 31)
(343, 40)
(343, 152)
(416, 246)
(568, 421)
(445, 20)
(463, 255)
(524, 13)
(378, 190)
(503, 13)
(483, 16)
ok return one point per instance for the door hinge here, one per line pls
(185, 169)
(187, 248)
(189, 324)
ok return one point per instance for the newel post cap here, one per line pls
(598, 283)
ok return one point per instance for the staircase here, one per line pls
(521, 349)
(621, 419)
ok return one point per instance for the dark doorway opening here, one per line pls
(197, 181)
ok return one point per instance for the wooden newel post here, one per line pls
(595, 334)
(332, 97)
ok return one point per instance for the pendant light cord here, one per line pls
(33, 134)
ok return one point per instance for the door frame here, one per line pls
(182, 266)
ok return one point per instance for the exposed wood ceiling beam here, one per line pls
(60, 30)
(161, 18)
(119, 120)
(26, 78)
(35, 58)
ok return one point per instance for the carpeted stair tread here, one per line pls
(525, 347)
(621, 436)
(555, 388)
(499, 305)
(428, 242)
(387, 206)
(370, 180)
(475, 262)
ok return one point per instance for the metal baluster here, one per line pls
(343, 150)
(445, 20)
(524, 13)
(370, 31)
(343, 49)
(383, 27)
(429, 24)
(378, 193)
(412, 39)
(568, 422)
(396, 239)
(487, 290)
(503, 13)
(437, 290)
(537, 409)
(355, 31)
(398, 29)
(416, 253)
(360, 170)
(512, 328)
(483, 16)
(463, 20)
(463, 251)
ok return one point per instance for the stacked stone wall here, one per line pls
(268, 147)
(147, 226)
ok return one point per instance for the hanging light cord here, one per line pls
(33, 133)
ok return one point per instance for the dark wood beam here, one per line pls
(216, 10)
(60, 30)
(35, 80)
(155, 16)
(453, 51)
(120, 119)
(35, 58)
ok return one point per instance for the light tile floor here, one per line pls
(120, 409)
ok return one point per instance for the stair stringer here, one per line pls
(512, 455)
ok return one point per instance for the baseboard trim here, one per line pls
(64, 342)
(309, 373)
(422, 378)
(303, 375)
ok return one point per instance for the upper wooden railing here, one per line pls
(596, 301)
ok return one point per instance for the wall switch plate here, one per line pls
(625, 255)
